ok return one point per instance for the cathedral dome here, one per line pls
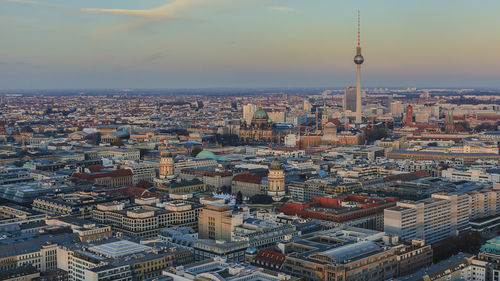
(260, 114)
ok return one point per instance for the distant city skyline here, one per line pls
(56, 44)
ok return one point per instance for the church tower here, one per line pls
(166, 164)
(276, 181)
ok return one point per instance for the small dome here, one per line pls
(330, 125)
(276, 165)
(260, 114)
(206, 154)
(166, 153)
(251, 250)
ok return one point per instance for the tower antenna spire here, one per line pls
(359, 33)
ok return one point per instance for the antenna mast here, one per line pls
(358, 29)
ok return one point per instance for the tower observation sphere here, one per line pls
(358, 59)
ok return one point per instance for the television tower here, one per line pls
(358, 60)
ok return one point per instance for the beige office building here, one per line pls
(216, 222)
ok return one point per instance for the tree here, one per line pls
(239, 197)
(261, 199)
(376, 133)
(18, 163)
(117, 142)
(468, 242)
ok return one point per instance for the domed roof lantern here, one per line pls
(166, 153)
(276, 165)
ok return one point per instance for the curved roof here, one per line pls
(351, 251)
(330, 125)
(166, 153)
(206, 154)
(276, 165)
(260, 114)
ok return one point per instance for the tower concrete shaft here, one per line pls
(358, 95)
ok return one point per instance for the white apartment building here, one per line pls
(141, 172)
(483, 148)
(195, 163)
(470, 175)
(248, 111)
(440, 216)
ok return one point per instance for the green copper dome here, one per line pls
(276, 165)
(206, 154)
(260, 114)
(166, 153)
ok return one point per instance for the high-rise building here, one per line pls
(216, 222)
(276, 181)
(248, 111)
(442, 215)
(307, 106)
(350, 99)
(396, 108)
(421, 117)
(358, 60)
(277, 116)
(166, 164)
(449, 122)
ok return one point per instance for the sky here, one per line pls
(70, 44)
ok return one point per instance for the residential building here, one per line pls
(214, 180)
(440, 216)
(181, 186)
(249, 184)
(113, 178)
(88, 231)
(144, 220)
(472, 175)
(79, 204)
(141, 172)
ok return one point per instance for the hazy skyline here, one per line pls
(247, 43)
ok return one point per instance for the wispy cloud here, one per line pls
(174, 10)
(170, 11)
(30, 2)
(283, 9)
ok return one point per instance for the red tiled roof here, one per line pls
(335, 121)
(255, 178)
(95, 168)
(407, 176)
(270, 256)
(144, 184)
